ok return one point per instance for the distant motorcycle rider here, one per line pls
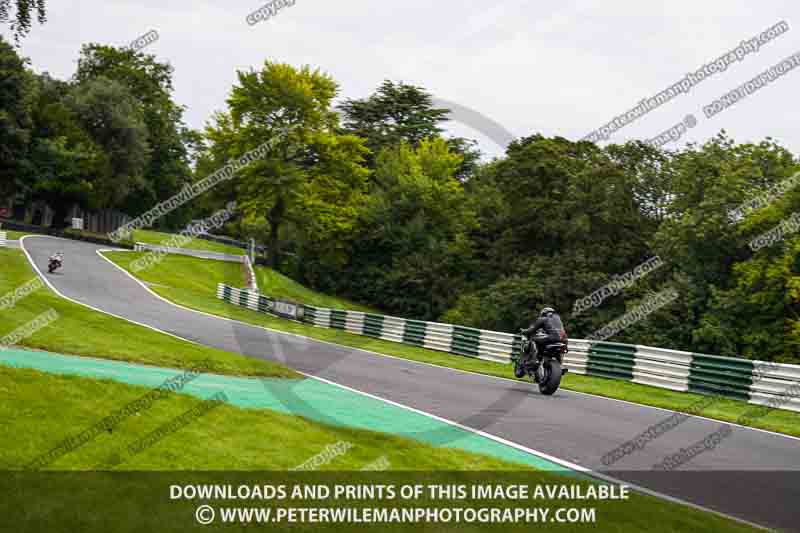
(549, 322)
(55, 262)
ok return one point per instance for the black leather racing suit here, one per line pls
(551, 325)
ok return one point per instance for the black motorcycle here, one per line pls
(55, 263)
(544, 368)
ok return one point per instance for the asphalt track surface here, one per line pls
(752, 475)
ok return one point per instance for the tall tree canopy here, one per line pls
(20, 14)
(16, 108)
(150, 83)
(398, 112)
(311, 179)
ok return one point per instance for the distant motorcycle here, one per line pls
(56, 262)
(544, 368)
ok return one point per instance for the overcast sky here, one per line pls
(556, 67)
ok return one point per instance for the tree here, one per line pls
(311, 178)
(16, 99)
(64, 157)
(558, 219)
(109, 115)
(410, 253)
(705, 246)
(19, 13)
(150, 83)
(398, 112)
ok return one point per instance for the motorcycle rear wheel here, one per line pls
(552, 377)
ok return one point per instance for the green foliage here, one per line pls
(19, 15)
(397, 113)
(311, 180)
(730, 304)
(108, 113)
(16, 99)
(167, 167)
(410, 252)
(110, 138)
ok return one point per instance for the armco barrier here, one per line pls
(763, 383)
(231, 258)
(249, 274)
(3, 236)
(247, 267)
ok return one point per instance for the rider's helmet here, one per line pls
(546, 312)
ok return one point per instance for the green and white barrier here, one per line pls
(763, 383)
(3, 239)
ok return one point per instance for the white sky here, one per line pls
(561, 67)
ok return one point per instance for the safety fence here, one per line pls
(3, 236)
(757, 382)
(247, 267)
(249, 274)
(202, 254)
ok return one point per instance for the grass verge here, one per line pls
(191, 286)
(279, 286)
(46, 409)
(14, 235)
(157, 238)
(82, 331)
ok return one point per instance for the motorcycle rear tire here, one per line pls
(552, 377)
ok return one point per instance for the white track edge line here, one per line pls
(561, 462)
(57, 292)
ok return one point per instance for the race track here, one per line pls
(753, 475)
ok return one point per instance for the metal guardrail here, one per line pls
(231, 258)
(3, 239)
(249, 274)
(757, 382)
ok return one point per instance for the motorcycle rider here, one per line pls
(548, 322)
(58, 257)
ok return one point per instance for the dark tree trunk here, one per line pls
(275, 219)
